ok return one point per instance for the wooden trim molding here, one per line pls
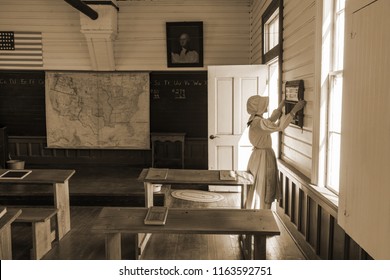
(33, 150)
(310, 214)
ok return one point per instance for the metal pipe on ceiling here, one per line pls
(84, 8)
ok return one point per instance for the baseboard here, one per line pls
(298, 238)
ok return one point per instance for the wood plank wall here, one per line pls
(64, 47)
(298, 63)
(141, 41)
(257, 9)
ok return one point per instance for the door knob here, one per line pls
(213, 136)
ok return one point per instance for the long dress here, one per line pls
(262, 162)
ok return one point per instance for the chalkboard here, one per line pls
(178, 102)
(22, 103)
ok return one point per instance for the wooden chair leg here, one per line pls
(260, 247)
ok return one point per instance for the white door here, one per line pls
(229, 88)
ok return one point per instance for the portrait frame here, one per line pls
(190, 34)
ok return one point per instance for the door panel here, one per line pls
(225, 157)
(224, 106)
(229, 88)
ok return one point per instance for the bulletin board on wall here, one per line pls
(178, 102)
(22, 102)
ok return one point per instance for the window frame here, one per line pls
(268, 15)
(334, 73)
(277, 51)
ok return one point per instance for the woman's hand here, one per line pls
(299, 106)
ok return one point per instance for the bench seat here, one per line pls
(42, 234)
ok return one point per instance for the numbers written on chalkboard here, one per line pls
(155, 93)
(179, 93)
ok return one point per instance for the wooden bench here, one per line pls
(5, 233)
(42, 235)
(113, 221)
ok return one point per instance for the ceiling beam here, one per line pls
(84, 8)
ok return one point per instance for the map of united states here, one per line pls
(97, 110)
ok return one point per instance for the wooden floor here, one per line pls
(82, 244)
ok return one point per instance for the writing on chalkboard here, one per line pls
(178, 102)
(22, 81)
(22, 103)
(179, 93)
(155, 93)
(166, 82)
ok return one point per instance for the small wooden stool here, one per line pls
(41, 229)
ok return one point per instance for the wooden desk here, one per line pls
(115, 221)
(194, 177)
(5, 233)
(59, 180)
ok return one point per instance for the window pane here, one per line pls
(335, 104)
(339, 36)
(334, 160)
(274, 33)
(271, 32)
(334, 101)
(340, 5)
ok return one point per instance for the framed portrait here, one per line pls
(185, 44)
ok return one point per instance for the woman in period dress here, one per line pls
(262, 163)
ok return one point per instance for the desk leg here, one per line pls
(5, 244)
(61, 203)
(113, 246)
(250, 197)
(148, 194)
(246, 246)
(260, 247)
(244, 192)
(143, 238)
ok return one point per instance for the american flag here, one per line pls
(20, 50)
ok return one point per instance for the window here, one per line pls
(271, 30)
(334, 99)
